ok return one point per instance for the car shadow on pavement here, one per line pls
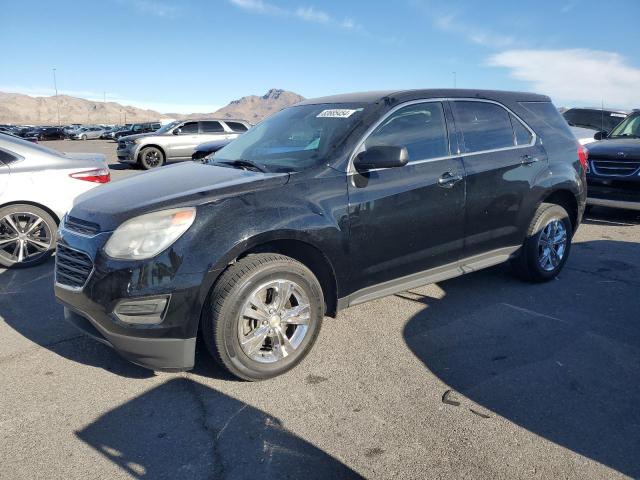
(560, 359)
(183, 429)
(28, 306)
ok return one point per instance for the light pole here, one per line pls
(55, 87)
(454, 80)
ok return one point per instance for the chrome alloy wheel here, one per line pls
(273, 321)
(552, 245)
(24, 236)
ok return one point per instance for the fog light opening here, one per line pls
(147, 311)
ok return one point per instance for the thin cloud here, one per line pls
(574, 75)
(304, 13)
(152, 7)
(454, 24)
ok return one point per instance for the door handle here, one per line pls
(528, 159)
(449, 179)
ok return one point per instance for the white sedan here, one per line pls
(37, 187)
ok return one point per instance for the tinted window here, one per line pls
(155, 126)
(211, 127)
(546, 113)
(484, 126)
(189, 127)
(420, 128)
(236, 126)
(523, 136)
(7, 158)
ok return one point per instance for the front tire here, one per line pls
(28, 235)
(547, 245)
(84, 137)
(151, 157)
(263, 316)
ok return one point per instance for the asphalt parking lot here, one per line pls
(481, 376)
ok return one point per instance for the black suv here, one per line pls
(613, 174)
(137, 128)
(326, 204)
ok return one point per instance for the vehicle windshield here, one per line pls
(293, 139)
(630, 127)
(168, 127)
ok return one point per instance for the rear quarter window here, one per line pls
(237, 126)
(7, 158)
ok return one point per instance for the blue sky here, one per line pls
(195, 55)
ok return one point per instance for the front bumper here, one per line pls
(168, 345)
(165, 354)
(126, 154)
(614, 192)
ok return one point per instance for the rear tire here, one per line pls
(83, 137)
(547, 245)
(263, 316)
(151, 157)
(28, 235)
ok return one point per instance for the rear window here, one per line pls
(546, 113)
(211, 127)
(236, 126)
(484, 126)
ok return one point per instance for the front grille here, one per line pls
(82, 227)
(72, 267)
(615, 167)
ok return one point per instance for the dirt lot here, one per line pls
(479, 377)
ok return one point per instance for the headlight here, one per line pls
(147, 235)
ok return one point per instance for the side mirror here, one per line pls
(381, 157)
(177, 131)
(600, 135)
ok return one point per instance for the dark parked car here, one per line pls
(137, 128)
(614, 166)
(49, 133)
(326, 204)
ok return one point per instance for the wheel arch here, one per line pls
(299, 249)
(155, 145)
(567, 200)
(35, 204)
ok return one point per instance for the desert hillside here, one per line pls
(17, 108)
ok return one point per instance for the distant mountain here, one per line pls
(23, 109)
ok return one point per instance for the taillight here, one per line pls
(99, 175)
(583, 156)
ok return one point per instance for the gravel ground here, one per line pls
(481, 376)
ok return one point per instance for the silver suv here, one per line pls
(175, 141)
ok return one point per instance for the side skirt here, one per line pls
(433, 275)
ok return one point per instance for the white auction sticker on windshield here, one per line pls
(337, 113)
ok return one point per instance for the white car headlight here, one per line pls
(147, 235)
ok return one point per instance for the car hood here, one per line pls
(186, 184)
(620, 149)
(133, 137)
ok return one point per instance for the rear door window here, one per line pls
(484, 126)
(421, 128)
(189, 128)
(211, 127)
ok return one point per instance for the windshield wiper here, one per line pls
(247, 164)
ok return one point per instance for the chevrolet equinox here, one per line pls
(329, 203)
